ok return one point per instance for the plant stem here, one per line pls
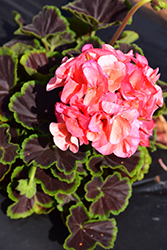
(45, 44)
(125, 21)
(32, 175)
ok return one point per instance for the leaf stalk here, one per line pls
(32, 176)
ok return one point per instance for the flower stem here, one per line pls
(128, 16)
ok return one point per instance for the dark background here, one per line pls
(143, 225)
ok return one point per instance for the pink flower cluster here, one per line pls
(108, 98)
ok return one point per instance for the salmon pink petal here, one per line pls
(125, 150)
(94, 54)
(59, 107)
(144, 139)
(54, 82)
(128, 146)
(147, 126)
(127, 90)
(154, 76)
(86, 47)
(120, 129)
(108, 47)
(114, 69)
(103, 146)
(141, 60)
(124, 57)
(116, 74)
(77, 116)
(130, 115)
(105, 149)
(70, 89)
(92, 96)
(83, 140)
(64, 60)
(149, 108)
(62, 138)
(73, 146)
(150, 87)
(110, 107)
(63, 70)
(146, 129)
(106, 62)
(137, 79)
(97, 82)
(93, 136)
(99, 123)
(109, 104)
(158, 96)
(95, 124)
(74, 128)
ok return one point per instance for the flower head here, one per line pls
(108, 98)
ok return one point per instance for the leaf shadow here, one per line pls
(6, 201)
(58, 231)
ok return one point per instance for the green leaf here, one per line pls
(128, 36)
(59, 39)
(20, 48)
(25, 189)
(27, 198)
(22, 206)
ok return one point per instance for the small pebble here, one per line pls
(156, 218)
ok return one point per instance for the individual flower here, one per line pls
(62, 138)
(108, 98)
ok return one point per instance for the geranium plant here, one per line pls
(77, 117)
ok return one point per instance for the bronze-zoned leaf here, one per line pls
(8, 150)
(98, 13)
(110, 195)
(52, 185)
(48, 21)
(86, 233)
(8, 76)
